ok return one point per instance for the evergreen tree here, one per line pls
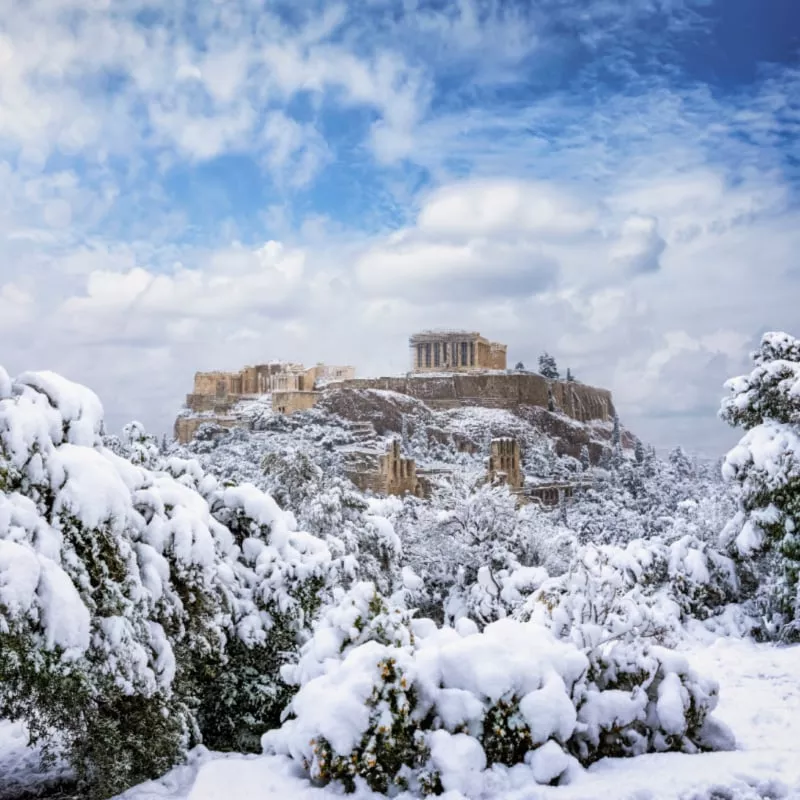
(638, 452)
(586, 461)
(519, 366)
(650, 462)
(551, 402)
(681, 463)
(570, 376)
(766, 464)
(616, 444)
(548, 367)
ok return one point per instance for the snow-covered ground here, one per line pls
(759, 700)
(21, 773)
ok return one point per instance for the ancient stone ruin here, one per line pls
(217, 392)
(455, 351)
(505, 463)
(450, 369)
(382, 472)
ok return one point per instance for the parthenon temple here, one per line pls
(455, 351)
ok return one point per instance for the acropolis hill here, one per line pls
(449, 369)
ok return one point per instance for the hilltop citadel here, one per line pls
(448, 370)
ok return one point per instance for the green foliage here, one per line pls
(123, 740)
(111, 739)
(505, 737)
(548, 367)
(392, 745)
(240, 696)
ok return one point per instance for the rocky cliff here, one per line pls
(510, 391)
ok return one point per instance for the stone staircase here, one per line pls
(362, 432)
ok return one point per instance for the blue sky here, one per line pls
(201, 185)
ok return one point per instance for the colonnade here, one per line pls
(430, 355)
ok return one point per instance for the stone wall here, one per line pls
(200, 403)
(186, 427)
(290, 402)
(497, 356)
(330, 372)
(491, 390)
(552, 494)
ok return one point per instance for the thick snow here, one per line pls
(760, 700)
(160, 521)
(21, 772)
(79, 407)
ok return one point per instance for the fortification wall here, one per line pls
(208, 402)
(186, 427)
(291, 401)
(492, 390)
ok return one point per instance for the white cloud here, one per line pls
(233, 282)
(15, 306)
(644, 236)
(498, 207)
(199, 91)
(295, 152)
(433, 271)
(639, 247)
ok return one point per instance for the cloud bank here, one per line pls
(205, 185)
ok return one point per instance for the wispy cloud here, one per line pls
(202, 184)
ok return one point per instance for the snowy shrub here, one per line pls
(136, 445)
(646, 588)
(401, 703)
(701, 580)
(127, 593)
(479, 555)
(391, 748)
(603, 598)
(87, 612)
(766, 466)
(616, 605)
(641, 698)
(328, 506)
(392, 744)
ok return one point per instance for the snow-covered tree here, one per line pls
(585, 458)
(548, 367)
(680, 463)
(141, 608)
(765, 533)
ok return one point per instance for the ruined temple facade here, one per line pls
(382, 473)
(552, 494)
(455, 351)
(505, 464)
